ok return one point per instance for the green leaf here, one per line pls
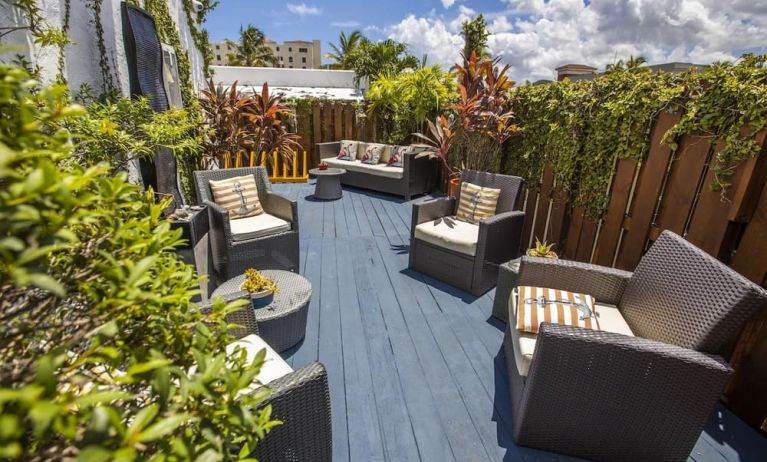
(163, 428)
(143, 418)
(45, 282)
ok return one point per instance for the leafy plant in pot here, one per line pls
(261, 288)
(542, 249)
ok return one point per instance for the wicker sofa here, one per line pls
(641, 395)
(237, 247)
(300, 398)
(416, 176)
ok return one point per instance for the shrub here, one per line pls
(102, 353)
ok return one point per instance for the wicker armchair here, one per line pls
(607, 396)
(231, 256)
(497, 242)
(299, 399)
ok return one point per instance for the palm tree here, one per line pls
(252, 50)
(346, 46)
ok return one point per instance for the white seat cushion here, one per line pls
(358, 166)
(450, 233)
(257, 226)
(274, 366)
(609, 318)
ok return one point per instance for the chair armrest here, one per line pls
(327, 150)
(301, 400)
(282, 207)
(500, 236)
(596, 394)
(431, 210)
(605, 284)
(220, 227)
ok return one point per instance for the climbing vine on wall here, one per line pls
(107, 83)
(583, 128)
(43, 33)
(200, 36)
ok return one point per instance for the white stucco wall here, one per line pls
(82, 56)
(256, 76)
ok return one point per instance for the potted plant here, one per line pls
(542, 249)
(261, 288)
(323, 166)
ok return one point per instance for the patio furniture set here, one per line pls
(638, 385)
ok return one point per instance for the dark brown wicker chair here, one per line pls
(607, 396)
(498, 241)
(232, 257)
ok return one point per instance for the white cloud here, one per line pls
(345, 24)
(536, 36)
(447, 3)
(303, 9)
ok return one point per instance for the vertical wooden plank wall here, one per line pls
(328, 121)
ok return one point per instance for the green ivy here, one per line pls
(583, 128)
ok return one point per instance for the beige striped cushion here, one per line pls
(530, 314)
(225, 195)
(477, 202)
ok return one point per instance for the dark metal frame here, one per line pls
(499, 237)
(606, 396)
(419, 175)
(230, 257)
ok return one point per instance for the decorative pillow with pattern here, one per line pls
(237, 195)
(477, 202)
(396, 156)
(386, 155)
(348, 150)
(373, 153)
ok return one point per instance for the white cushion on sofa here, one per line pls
(358, 166)
(450, 233)
(610, 320)
(274, 366)
(257, 226)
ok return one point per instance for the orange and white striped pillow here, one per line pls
(237, 195)
(477, 202)
(558, 309)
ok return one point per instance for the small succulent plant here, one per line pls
(256, 282)
(542, 249)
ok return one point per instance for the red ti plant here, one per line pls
(265, 118)
(439, 144)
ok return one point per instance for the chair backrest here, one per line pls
(510, 187)
(202, 178)
(682, 296)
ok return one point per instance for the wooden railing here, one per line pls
(281, 170)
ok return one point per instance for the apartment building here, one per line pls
(292, 54)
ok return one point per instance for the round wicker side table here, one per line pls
(282, 323)
(328, 185)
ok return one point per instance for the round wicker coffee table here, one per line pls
(282, 323)
(328, 185)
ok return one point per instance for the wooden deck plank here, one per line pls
(415, 366)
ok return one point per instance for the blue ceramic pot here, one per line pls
(262, 299)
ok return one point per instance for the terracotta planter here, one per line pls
(261, 299)
(453, 186)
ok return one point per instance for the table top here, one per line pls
(328, 171)
(294, 292)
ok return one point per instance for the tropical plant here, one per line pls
(542, 249)
(103, 356)
(256, 282)
(632, 64)
(440, 144)
(475, 36)
(251, 50)
(372, 59)
(341, 53)
(236, 122)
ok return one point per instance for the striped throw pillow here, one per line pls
(537, 304)
(477, 202)
(237, 195)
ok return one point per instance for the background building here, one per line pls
(293, 54)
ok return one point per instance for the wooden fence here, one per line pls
(331, 121)
(672, 191)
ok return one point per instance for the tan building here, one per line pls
(293, 54)
(297, 54)
(221, 52)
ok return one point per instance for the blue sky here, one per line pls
(532, 36)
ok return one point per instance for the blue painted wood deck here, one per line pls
(415, 366)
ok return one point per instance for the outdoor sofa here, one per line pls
(643, 394)
(415, 176)
(266, 241)
(467, 255)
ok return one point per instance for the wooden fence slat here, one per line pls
(586, 240)
(348, 121)
(749, 260)
(647, 191)
(539, 229)
(745, 194)
(527, 227)
(612, 223)
(338, 132)
(316, 131)
(557, 220)
(574, 234)
(682, 184)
